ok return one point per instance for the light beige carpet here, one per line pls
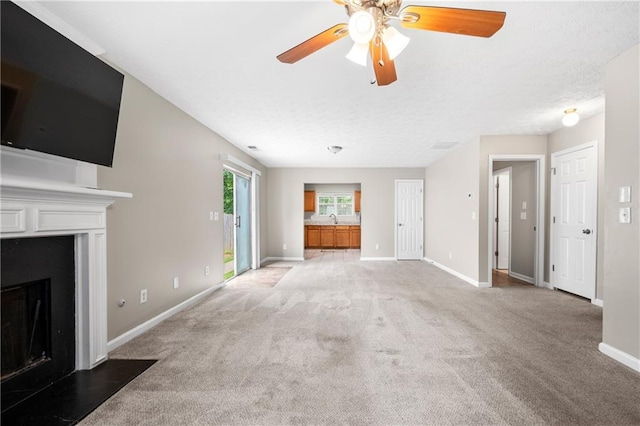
(267, 276)
(377, 343)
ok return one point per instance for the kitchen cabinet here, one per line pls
(342, 237)
(327, 236)
(309, 201)
(354, 236)
(357, 195)
(313, 236)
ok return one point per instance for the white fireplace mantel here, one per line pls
(40, 208)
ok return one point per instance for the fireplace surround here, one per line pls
(46, 203)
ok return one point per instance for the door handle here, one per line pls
(399, 224)
(586, 231)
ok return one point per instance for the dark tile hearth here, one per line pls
(70, 399)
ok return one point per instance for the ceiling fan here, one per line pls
(370, 29)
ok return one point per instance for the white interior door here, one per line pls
(409, 212)
(503, 218)
(574, 212)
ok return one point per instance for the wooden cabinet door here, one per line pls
(309, 201)
(358, 195)
(313, 236)
(306, 234)
(342, 237)
(327, 237)
(354, 233)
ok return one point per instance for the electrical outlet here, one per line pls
(176, 282)
(377, 246)
(450, 255)
(143, 296)
(284, 247)
(207, 270)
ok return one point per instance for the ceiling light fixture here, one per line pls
(334, 149)
(571, 117)
(362, 28)
(395, 41)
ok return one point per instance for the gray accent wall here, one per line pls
(171, 163)
(621, 313)
(286, 206)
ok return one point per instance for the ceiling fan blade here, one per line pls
(315, 43)
(384, 67)
(480, 23)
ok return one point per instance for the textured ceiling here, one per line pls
(217, 61)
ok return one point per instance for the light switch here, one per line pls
(523, 215)
(624, 194)
(524, 205)
(216, 216)
(624, 215)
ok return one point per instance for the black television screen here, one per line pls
(57, 98)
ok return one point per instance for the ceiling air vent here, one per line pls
(443, 145)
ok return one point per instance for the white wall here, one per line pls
(286, 206)
(621, 313)
(451, 232)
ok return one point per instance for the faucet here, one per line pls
(335, 219)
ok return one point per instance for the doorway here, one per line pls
(409, 219)
(524, 260)
(237, 223)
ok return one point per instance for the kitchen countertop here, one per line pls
(350, 223)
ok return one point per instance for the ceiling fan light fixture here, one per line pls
(362, 27)
(359, 54)
(571, 117)
(395, 41)
(334, 149)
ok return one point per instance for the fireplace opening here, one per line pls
(38, 302)
(26, 340)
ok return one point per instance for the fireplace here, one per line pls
(38, 314)
(47, 209)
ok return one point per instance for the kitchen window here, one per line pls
(340, 204)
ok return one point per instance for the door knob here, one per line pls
(399, 224)
(586, 231)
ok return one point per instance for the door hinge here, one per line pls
(497, 220)
(553, 169)
(553, 268)
(535, 228)
(554, 219)
(496, 254)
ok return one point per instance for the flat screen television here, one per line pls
(57, 98)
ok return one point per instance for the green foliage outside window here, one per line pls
(228, 192)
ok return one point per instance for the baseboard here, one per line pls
(547, 285)
(288, 259)
(621, 357)
(386, 259)
(521, 277)
(145, 326)
(458, 274)
(598, 302)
